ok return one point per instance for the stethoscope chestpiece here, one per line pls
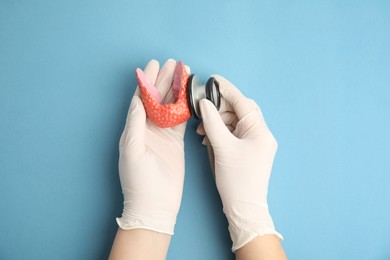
(197, 91)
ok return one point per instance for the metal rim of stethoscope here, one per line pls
(196, 92)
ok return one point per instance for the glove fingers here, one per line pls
(233, 99)
(213, 124)
(229, 119)
(253, 124)
(225, 106)
(204, 140)
(200, 129)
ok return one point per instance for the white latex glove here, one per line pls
(244, 150)
(151, 162)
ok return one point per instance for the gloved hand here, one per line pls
(151, 162)
(244, 150)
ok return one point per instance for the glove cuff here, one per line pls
(248, 221)
(155, 222)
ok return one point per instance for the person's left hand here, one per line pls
(151, 162)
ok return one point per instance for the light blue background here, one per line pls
(320, 71)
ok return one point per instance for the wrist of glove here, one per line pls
(247, 221)
(154, 218)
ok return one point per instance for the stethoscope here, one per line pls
(196, 91)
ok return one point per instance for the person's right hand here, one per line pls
(244, 150)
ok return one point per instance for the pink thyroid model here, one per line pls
(166, 115)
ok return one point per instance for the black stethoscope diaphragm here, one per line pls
(196, 92)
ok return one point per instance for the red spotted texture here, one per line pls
(166, 115)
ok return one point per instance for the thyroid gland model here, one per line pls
(166, 115)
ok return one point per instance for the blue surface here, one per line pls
(320, 71)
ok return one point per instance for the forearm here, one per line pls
(261, 248)
(140, 244)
